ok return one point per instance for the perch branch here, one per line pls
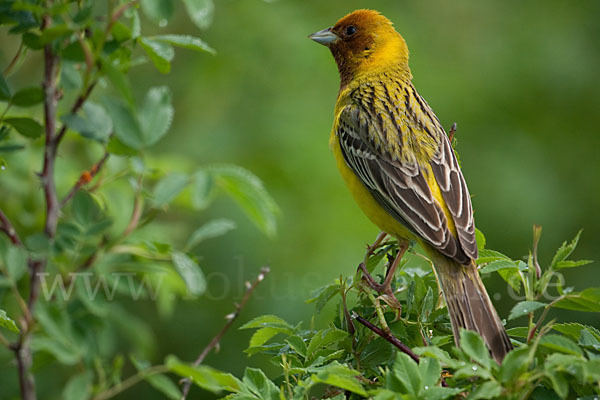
(230, 320)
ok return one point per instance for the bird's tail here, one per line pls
(469, 305)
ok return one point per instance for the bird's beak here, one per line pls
(324, 37)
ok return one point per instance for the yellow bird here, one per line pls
(399, 165)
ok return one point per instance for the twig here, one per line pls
(85, 178)
(117, 14)
(230, 320)
(7, 227)
(387, 336)
(14, 60)
(76, 106)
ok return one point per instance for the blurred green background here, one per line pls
(519, 78)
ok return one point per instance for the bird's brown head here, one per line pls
(364, 42)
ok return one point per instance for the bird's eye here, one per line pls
(351, 30)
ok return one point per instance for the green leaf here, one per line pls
(407, 372)
(95, 124)
(514, 364)
(262, 336)
(474, 347)
(168, 188)
(487, 255)
(156, 114)
(119, 80)
(203, 376)
(559, 383)
(186, 42)
(9, 149)
(272, 321)
(63, 353)
(28, 97)
(322, 295)
(211, 229)
(560, 343)
(430, 370)
(158, 381)
(258, 384)
(480, 238)
(486, 390)
(79, 387)
(190, 272)
(498, 265)
(588, 300)
(4, 90)
(8, 323)
(200, 12)
(125, 123)
(15, 261)
(158, 10)
(297, 344)
(524, 308)
(159, 52)
(438, 354)
(440, 393)
(86, 209)
(70, 77)
(565, 250)
(27, 127)
(203, 189)
(324, 338)
(340, 376)
(571, 264)
(248, 191)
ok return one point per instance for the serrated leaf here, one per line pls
(565, 250)
(203, 185)
(474, 347)
(340, 376)
(498, 265)
(560, 343)
(168, 188)
(158, 10)
(571, 264)
(524, 308)
(156, 114)
(94, 124)
(322, 339)
(28, 97)
(211, 229)
(262, 336)
(118, 79)
(257, 383)
(203, 376)
(186, 42)
(430, 370)
(190, 272)
(79, 387)
(297, 344)
(125, 123)
(267, 321)
(486, 390)
(248, 191)
(27, 127)
(200, 12)
(587, 300)
(86, 209)
(8, 323)
(514, 364)
(407, 372)
(322, 295)
(161, 54)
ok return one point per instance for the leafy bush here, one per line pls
(369, 351)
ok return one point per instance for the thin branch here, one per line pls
(85, 178)
(14, 60)
(230, 320)
(115, 17)
(76, 106)
(7, 227)
(387, 336)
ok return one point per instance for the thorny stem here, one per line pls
(230, 320)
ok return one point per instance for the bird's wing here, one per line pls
(401, 188)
